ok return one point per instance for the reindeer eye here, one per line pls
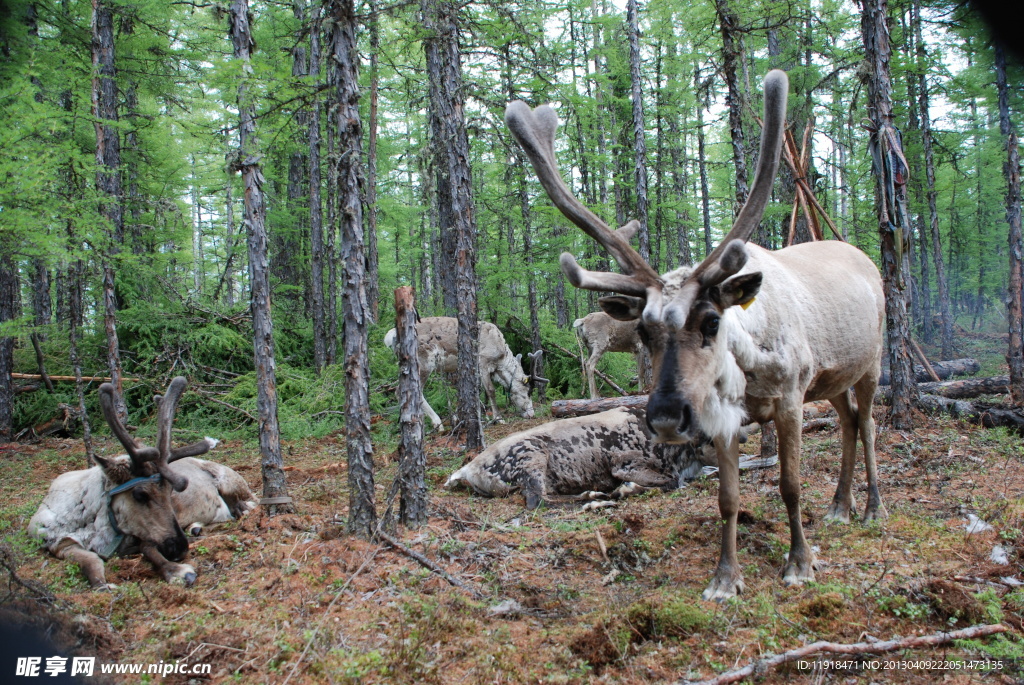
(710, 326)
(140, 496)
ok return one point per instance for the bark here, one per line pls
(702, 164)
(1011, 170)
(639, 128)
(41, 362)
(977, 413)
(959, 390)
(41, 304)
(332, 222)
(197, 235)
(680, 169)
(316, 221)
(889, 191)
(362, 516)
(74, 278)
(411, 457)
(9, 310)
(933, 211)
(274, 481)
(945, 369)
(728, 23)
(372, 259)
(135, 201)
(455, 199)
(108, 178)
(923, 296)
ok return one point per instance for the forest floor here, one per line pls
(291, 598)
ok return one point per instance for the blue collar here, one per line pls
(119, 535)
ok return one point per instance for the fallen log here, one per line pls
(63, 422)
(957, 390)
(989, 416)
(561, 409)
(944, 369)
(876, 647)
(101, 379)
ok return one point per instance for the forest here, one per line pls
(235, 191)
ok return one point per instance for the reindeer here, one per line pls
(139, 497)
(719, 355)
(601, 334)
(605, 456)
(437, 337)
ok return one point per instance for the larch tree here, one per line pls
(891, 216)
(275, 486)
(316, 215)
(1011, 171)
(362, 516)
(455, 199)
(108, 179)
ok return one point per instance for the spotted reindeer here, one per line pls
(138, 499)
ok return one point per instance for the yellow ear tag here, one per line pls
(748, 302)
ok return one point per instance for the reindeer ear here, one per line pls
(736, 290)
(622, 307)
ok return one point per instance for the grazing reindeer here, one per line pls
(90, 515)
(437, 337)
(588, 456)
(814, 331)
(601, 334)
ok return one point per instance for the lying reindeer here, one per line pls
(437, 337)
(587, 456)
(720, 356)
(90, 515)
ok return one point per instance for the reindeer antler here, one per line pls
(164, 420)
(139, 453)
(729, 257)
(535, 131)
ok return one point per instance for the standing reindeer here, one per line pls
(139, 497)
(437, 337)
(813, 332)
(602, 334)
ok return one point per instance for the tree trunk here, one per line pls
(316, 216)
(108, 178)
(702, 162)
(444, 69)
(9, 310)
(411, 458)
(1011, 170)
(944, 369)
(372, 259)
(889, 196)
(332, 220)
(730, 54)
(41, 304)
(639, 132)
(960, 389)
(275, 486)
(362, 514)
(923, 295)
(933, 212)
(75, 278)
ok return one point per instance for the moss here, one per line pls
(666, 617)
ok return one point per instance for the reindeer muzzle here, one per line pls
(670, 418)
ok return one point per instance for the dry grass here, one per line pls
(266, 585)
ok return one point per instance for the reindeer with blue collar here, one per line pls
(136, 500)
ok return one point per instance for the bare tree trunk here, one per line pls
(1011, 169)
(275, 486)
(332, 220)
(362, 514)
(108, 178)
(639, 132)
(197, 234)
(933, 212)
(891, 216)
(372, 259)
(730, 54)
(41, 304)
(9, 310)
(702, 162)
(441, 46)
(75, 278)
(923, 299)
(316, 216)
(411, 458)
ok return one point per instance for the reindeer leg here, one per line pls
(865, 389)
(488, 384)
(728, 579)
(171, 572)
(435, 420)
(90, 563)
(800, 566)
(590, 366)
(842, 502)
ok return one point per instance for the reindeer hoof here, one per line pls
(837, 513)
(195, 530)
(182, 575)
(723, 586)
(599, 504)
(875, 514)
(189, 579)
(799, 572)
(105, 587)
